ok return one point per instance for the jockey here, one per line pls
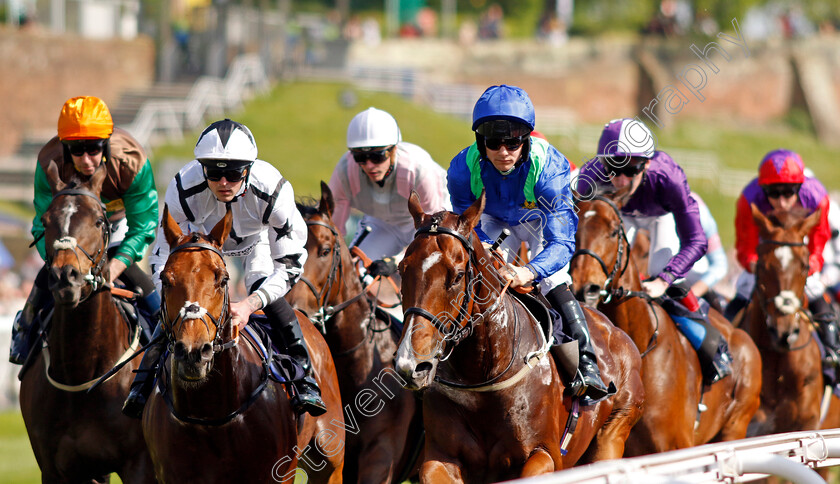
(526, 181)
(86, 139)
(268, 231)
(376, 176)
(712, 267)
(658, 200)
(782, 185)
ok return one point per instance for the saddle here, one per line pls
(281, 367)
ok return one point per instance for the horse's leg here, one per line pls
(540, 462)
(138, 470)
(746, 396)
(437, 472)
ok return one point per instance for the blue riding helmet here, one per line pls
(504, 102)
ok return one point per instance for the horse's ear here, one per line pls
(98, 178)
(171, 229)
(53, 178)
(416, 209)
(469, 219)
(805, 226)
(327, 204)
(621, 196)
(222, 228)
(765, 226)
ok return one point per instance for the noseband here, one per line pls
(617, 269)
(760, 296)
(325, 311)
(97, 259)
(195, 311)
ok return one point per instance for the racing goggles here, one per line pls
(232, 175)
(509, 143)
(785, 190)
(376, 155)
(89, 146)
(629, 170)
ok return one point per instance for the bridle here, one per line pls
(193, 308)
(455, 332)
(325, 311)
(94, 276)
(622, 252)
(759, 295)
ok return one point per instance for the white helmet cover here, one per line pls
(373, 128)
(226, 140)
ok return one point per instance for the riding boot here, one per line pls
(144, 379)
(308, 398)
(734, 307)
(712, 348)
(587, 381)
(826, 322)
(22, 327)
(149, 305)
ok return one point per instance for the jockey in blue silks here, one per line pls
(526, 181)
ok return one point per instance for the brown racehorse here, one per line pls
(220, 418)
(493, 401)
(604, 274)
(79, 436)
(777, 321)
(363, 346)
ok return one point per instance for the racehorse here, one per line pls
(493, 401)
(777, 321)
(363, 345)
(216, 416)
(79, 436)
(604, 274)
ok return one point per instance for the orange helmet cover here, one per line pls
(84, 117)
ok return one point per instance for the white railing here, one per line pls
(791, 456)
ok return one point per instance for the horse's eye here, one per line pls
(324, 251)
(457, 278)
(614, 233)
(166, 280)
(100, 222)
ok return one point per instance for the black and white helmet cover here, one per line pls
(226, 144)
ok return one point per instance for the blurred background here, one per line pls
(721, 82)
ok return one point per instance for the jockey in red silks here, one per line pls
(782, 185)
(659, 200)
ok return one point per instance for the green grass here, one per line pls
(17, 463)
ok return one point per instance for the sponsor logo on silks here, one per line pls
(529, 205)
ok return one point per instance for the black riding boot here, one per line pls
(144, 379)
(22, 327)
(826, 320)
(588, 378)
(734, 307)
(308, 398)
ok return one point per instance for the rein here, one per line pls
(466, 329)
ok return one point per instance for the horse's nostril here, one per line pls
(180, 352)
(423, 367)
(592, 290)
(206, 351)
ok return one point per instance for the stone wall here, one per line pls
(602, 79)
(39, 71)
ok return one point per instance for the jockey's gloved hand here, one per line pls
(382, 267)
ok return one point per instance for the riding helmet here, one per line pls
(781, 166)
(372, 128)
(84, 117)
(226, 144)
(622, 138)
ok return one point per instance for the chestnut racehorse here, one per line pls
(216, 416)
(604, 274)
(363, 346)
(78, 436)
(777, 321)
(493, 401)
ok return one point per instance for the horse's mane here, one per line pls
(787, 219)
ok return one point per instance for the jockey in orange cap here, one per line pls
(87, 140)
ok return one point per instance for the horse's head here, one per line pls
(439, 273)
(781, 271)
(76, 235)
(603, 251)
(324, 265)
(195, 297)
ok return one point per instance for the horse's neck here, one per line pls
(629, 279)
(85, 341)
(349, 325)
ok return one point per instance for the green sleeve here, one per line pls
(141, 213)
(43, 197)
